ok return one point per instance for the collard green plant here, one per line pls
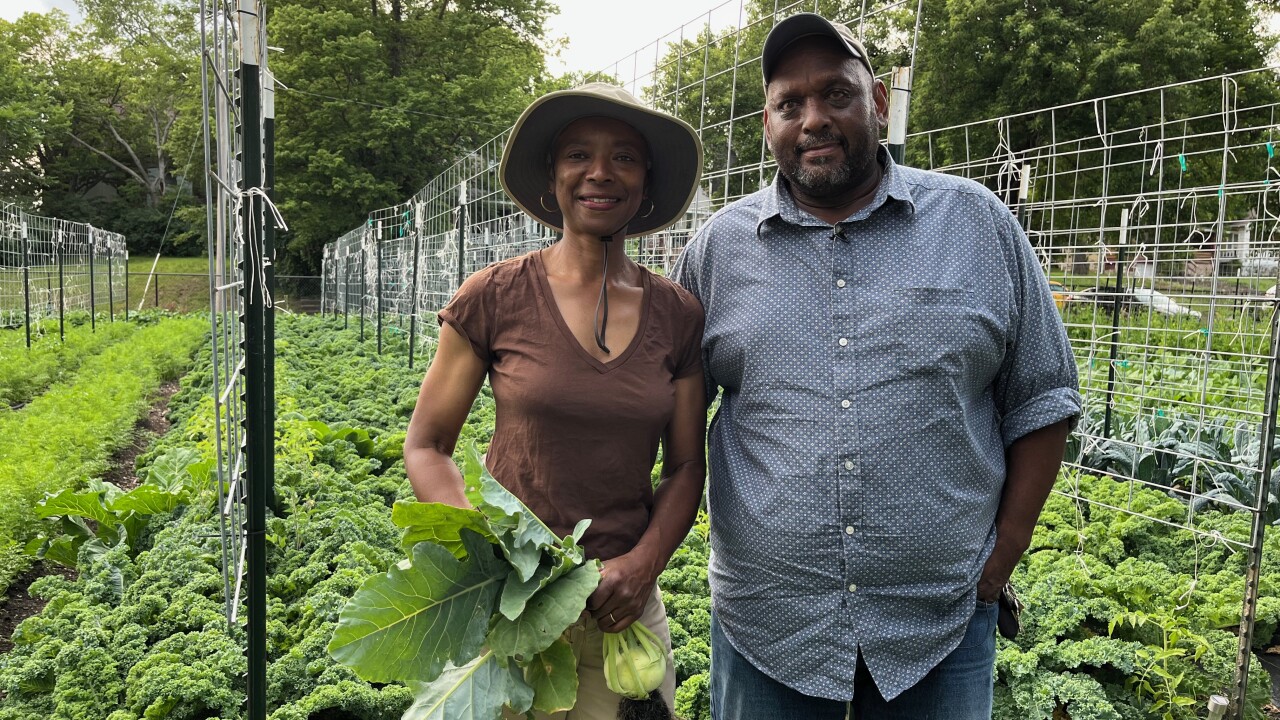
(103, 516)
(472, 620)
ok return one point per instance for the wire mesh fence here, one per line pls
(1155, 214)
(50, 266)
(1158, 231)
(1157, 224)
(189, 292)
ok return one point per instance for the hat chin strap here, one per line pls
(601, 321)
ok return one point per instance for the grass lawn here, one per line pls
(181, 284)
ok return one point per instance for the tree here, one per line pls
(713, 82)
(122, 95)
(132, 72)
(986, 58)
(990, 58)
(382, 97)
(30, 114)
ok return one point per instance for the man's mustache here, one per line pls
(826, 138)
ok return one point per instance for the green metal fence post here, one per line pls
(413, 291)
(26, 283)
(93, 301)
(62, 288)
(269, 257)
(364, 277)
(111, 291)
(377, 281)
(257, 444)
(1115, 324)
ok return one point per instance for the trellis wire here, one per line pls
(1157, 221)
(50, 266)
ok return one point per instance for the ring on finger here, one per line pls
(612, 619)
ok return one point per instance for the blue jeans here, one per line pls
(959, 688)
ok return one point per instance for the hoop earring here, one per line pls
(543, 202)
(652, 206)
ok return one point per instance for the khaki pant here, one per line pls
(595, 700)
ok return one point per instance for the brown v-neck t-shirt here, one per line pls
(575, 437)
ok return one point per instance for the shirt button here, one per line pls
(845, 403)
(840, 282)
(853, 588)
(848, 464)
(848, 530)
(844, 341)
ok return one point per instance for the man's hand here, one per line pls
(995, 574)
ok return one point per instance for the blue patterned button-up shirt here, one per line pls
(873, 374)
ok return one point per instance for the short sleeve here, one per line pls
(469, 313)
(1037, 384)
(689, 354)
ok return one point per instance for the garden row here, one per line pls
(66, 435)
(1126, 617)
(141, 632)
(26, 372)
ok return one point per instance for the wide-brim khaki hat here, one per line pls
(675, 153)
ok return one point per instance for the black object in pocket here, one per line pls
(1008, 620)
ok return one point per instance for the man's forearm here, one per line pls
(1031, 466)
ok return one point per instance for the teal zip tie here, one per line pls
(1182, 160)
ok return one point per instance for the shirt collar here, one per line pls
(778, 202)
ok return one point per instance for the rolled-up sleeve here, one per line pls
(1037, 385)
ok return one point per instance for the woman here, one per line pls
(593, 360)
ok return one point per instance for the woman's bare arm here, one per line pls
(449, 389)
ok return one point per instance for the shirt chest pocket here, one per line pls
(931, 333)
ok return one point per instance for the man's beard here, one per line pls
(829, 179)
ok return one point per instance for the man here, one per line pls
(897, 389)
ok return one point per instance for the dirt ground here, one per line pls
(18, 603)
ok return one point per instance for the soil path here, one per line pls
(18, 603)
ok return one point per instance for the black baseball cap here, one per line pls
(805, 25)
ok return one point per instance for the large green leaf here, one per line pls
(553, 675)
(149, 500)
(519, 532)
(404, 625)
(437, 523)
(63, 550)
(80, 504)
(108, 491)
(169, 471)
(546, 615)
(516, 592)
(475, 691)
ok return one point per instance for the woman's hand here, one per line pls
(626, 584)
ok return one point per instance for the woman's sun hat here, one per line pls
(675, 153)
